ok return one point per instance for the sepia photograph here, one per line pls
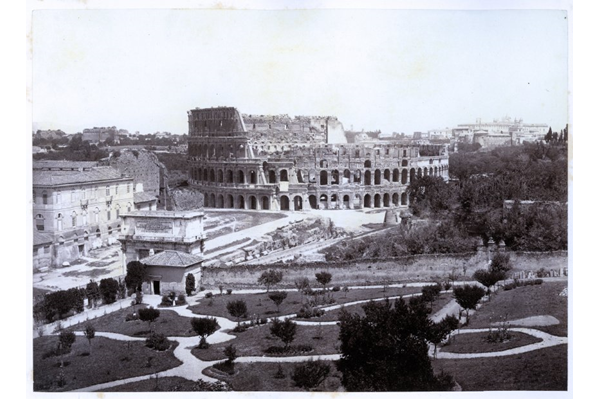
(299, 196)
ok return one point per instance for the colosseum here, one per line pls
(275, 162)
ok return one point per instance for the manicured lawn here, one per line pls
(166, 384)
(544, 369)
(108, 360)
(523, 302)
(252, 377)
(255, 340)
(477, 343)
(168, 323)
(259, 304)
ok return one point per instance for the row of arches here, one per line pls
(216, 151)
(244, 202)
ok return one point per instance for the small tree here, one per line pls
(237, 309)
(136, 275)
(468, 296)
(286, 330)
(302, 285)
(501, 264)
(488, 278)
(190, 284)
(149, 315)
(66, 340)
(278, 298)
(270, 278)
(438, 332)
(109, 288)
(92, 293)
(122, 289)
(231, 353)
(323, 278)
(310, 374)
(204, 327)
(90, 333)
(430, 293)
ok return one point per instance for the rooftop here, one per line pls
(96, 174)
(172, 258)
(41, 238)
(64, 164)
(165, 214)
(143, 197)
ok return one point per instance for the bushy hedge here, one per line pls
(57, 305)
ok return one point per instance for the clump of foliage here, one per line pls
(204, 327)
(310, 374)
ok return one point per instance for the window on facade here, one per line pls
(46, 249)
(98, 233)
(39, 222)
(116, 189)
(44, 197)
(58, 197)
(128, 188)
(83, 195)
(72, 196)
(108, 190)
(118, 212)
(96, 215)
(108, 215)
(74, 220)
(59, 222)
(84, 218)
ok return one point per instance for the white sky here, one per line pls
(394, 70)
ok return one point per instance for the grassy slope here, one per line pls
(109, 360)
(254, 341)
(526, 301)
(168, 323)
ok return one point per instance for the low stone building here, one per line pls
(168, 269)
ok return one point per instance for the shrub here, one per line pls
(279, 374)
(190, 284)
(109, 289)
(229, 291)
(131, 317)
(180, 300)
(230, 352)
(240, 328)
(148, 315)
(208, 295)
(310, 374)
(309, 312)
(286, 330)
(166, 301)
(158, 341)
(336, 289)
(202, 288)
(56, 304)
(538, 281)
(237, 309)
(204, 327)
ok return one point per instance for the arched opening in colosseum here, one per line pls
(357, 201)
(229, 176)
(387, 175)
(265, 203)
(323, 164)
(386, 200)
(241, 202)
(323, 201)
(412, 174)
(253, 203)
(229, 203)
(220, 201)
(272, 178)
(395, 199)
(323, 178)
(435, 171)
(300, 177)
(334, 200)
(404, 176)
(404, 199)
(357, 176)
(346, 201)
(283, 175)
(395, 175)
(425, 172)
(377, 177)
(377, 200)
(220, 176)
(298, 203)
(252, 177)
(212, 175)
(367, 177)
(212, 202)
(205, 175)
(367, 201)
(405, 162)
(419, 172)
(312, 177)
(241, 177)
(335, 177)
(430, 170)
(368, 164)
(284, 201)
(312, 200)
(346, 178)
(205, 201)
(211, 151)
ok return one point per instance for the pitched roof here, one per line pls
(41, 238)
(96, 174)
(143, 197)
(172, 258)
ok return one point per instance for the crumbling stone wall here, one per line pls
(186, 199)
(143, 166)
